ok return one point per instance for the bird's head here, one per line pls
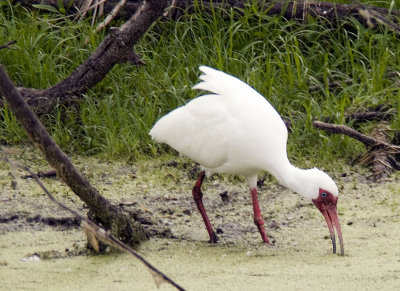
(325, 197)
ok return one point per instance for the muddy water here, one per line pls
(300, 259)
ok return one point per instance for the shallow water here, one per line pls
(300, 259)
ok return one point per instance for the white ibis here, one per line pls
(236, 130)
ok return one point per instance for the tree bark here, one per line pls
(111, 217)
(297, 10)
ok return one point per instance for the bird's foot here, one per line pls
(269, 243)
(266, 241)
(213, 238)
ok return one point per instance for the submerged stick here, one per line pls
(92, 230)
(48, 174)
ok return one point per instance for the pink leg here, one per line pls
(258, 220)
(197, 195)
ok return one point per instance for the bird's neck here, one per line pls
(294, 178)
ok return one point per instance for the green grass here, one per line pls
(281, 59)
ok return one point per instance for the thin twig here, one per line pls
(83, 9)
(110, 17)
(170, 8)
(98, 10)
(99, 232)
(48, 174)
(94, 14)
(7, 45)
(96, 5)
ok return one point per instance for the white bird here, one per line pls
(236, 130)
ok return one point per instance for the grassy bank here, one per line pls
(283, 60)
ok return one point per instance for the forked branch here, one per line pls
(116, 48)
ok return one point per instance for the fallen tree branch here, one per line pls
(379, 113)
(116, 48)
(380, 154)
(296, 10)
(95, 232)
(371, 16)
(343, 129)
(111, 216)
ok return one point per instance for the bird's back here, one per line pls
(228, 131)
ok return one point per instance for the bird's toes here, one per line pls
(214, 238)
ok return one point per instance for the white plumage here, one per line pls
(236, 130)
(223, 131)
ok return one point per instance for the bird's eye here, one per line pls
(323, 194)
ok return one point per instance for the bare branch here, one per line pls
(93, 229)
(116, 48)
(343, 129)
(110, 17)
(380, 154)
(83, 9)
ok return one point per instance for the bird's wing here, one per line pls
(245, 101)
(232, 126)
(223, 84)
(196, 130)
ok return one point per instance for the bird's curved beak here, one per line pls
(328, 210)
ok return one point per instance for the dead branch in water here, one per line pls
(48, 174)
(95, 232)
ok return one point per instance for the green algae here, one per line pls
(300, 259)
